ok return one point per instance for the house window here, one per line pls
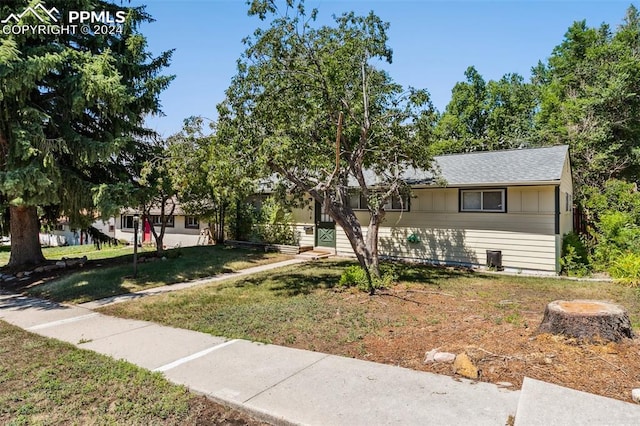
(191, 222)
(357, 201)
(126, 221)
(487, 200)
(156, 220)
(568, 202)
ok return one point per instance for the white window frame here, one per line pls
(503, 203)
(156, 220)
(388, 207)
(191, 222)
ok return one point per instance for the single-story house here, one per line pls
(182, 230)
(516, 204)
(62, 234)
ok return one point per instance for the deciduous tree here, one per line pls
(283, 107)
(589, 100)
(485, 116)
(211, 178)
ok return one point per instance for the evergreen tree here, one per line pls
(70, 107)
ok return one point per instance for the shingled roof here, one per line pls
(515, 166)
(509, 167)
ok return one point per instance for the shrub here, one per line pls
(275, 224)
(617, 233)
(615, 213)
(626, 268)
(575, 259)
(355, 276)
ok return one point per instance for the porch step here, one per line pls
(314, 254)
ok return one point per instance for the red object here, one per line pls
(147, 231)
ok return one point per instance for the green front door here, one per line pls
(325, 229)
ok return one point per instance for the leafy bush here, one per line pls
(355, 276)
(626, 268)
(244, 217)
(614, 211)
(618, 233)
(275, 224)
(575, 257)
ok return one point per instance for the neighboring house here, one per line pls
(62, 234)
(517, 202)
(182, 230)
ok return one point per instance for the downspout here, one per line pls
(557, 228)
(557, 210)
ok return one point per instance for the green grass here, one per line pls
(181, 264)
(57, 253)
(280, 306)
(299, 305)
(44, 381)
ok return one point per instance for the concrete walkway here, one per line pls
(292, 386)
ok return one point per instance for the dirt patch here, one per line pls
(502, 342)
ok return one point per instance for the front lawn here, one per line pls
(178, 265)
(44, 381)
(89, 250)
(490, 317)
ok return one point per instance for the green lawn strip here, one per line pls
(179, 265)
(299, 304)
(89, 250)
(44, 381)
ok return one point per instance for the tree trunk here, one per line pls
(219, 231)
(372, 244)
(25, 240)
(586, 319)
(365, 249)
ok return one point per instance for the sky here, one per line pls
(433, 42)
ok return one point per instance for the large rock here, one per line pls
(586, 319)
(465, 367)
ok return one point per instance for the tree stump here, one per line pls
(586, 319)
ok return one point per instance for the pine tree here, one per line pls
(71, 106)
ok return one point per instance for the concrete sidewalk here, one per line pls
(278, 384)
(292, 386)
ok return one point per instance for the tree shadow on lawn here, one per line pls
(424, 274)
(301, 280)
(289, 284)
(306, 278)
(84, 286)
(103, 278)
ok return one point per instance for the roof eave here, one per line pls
(492, 184)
